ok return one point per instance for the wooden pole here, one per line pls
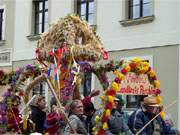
(59, 104)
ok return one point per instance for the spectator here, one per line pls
(90, 111)
(77, 120)
(116, 123)
(149, 109)
(38, 115)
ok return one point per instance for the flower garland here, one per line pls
(137, 66)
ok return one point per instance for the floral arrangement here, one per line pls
(137, 66)
(70, 32)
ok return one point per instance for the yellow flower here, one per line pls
(159, 99)
(137, 60)
(115, 72)
(115, 86)
(146, 64)
(146, 68)
(97, 118)
(152, 73)
(121, 76)
(105, 125)
(163, 115)
(108, 113)
(102, 98)
(128, 68)
(110, 99)
(157, 83)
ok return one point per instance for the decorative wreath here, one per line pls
(137, 66)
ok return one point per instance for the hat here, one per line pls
(151, 101)
(119, 99)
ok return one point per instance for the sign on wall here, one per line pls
(5, 57)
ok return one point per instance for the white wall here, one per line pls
(23, 48)
(162, 31)
(60, 8)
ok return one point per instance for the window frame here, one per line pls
(78, 4)
(36, 19)
(141, 11)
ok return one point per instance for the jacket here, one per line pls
(78, 124)
(38, 117)
(140, 117)
(117, 125)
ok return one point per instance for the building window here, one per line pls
(85, 9)
(40, 16)
(1, 23)
(139, 8)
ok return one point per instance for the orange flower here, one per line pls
(102, 98)
(115, 72)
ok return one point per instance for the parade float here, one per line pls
(65, 52)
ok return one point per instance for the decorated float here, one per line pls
(65, 52)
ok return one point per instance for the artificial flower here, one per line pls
(151, 73)
(159, 99)
(111, 92)
(104, 125)
(132, 65)
(115, 86)
(104, 119)
(101, 132)
(110, 99)
(115, 72)
(128, 68)
(117, 80)
(102, 98)
(124, 71)
(163, 115)
(137, 60)
(97, 118)
(157, 83)
(121, 76)
(108, 113)
(109, 105)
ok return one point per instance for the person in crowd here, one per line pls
(149, 109)
(76, 119)
(55, 122)
(116, 122)
(89, 110)
(38, 115)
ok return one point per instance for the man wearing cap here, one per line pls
(116, 123)
(149, 109)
